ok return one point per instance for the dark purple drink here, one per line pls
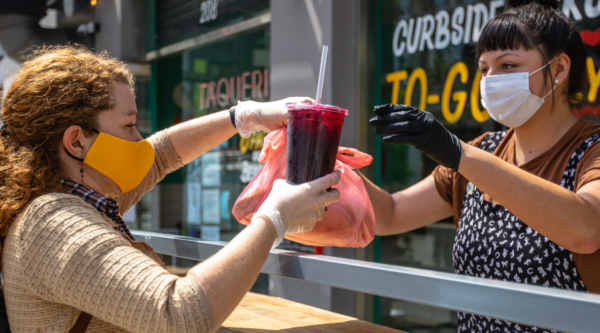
(313, 139)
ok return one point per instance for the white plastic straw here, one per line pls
(322, 74)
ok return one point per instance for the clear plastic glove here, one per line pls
(252, 117)
(297, 208)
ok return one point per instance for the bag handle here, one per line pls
(354, 158)
(276, 140)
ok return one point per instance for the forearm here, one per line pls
(410, 209)
(228, 275)
(560, 215)
(383, 206)
(197, 136)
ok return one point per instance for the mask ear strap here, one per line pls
(539, 69)
(72, 156)
(553, 87)
(75, 157)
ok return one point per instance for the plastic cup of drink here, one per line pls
(313, 138)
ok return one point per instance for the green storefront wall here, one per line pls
(168, 113)
(191, 83)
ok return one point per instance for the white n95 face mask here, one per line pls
(508, 99)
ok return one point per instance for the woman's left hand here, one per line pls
(252, 117)
(406, 124)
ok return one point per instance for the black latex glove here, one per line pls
(406, 124)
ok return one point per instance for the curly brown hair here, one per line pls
(57, 87)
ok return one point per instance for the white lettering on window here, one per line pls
(458, 18)
(209, 11)
(468, 24)
(464, 27)
(399, 48)
(592, 11)
(442, 34)
(480, 12)
(412, 40)
(494, 5)
(569, 7)
(428, 27)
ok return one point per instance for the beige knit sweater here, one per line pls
(62, 257)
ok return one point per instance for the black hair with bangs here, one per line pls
(538, 25)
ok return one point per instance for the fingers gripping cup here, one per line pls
(314, 132)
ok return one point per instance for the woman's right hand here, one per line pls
(297, 208)
(407, 124)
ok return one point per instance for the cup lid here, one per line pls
(315, 107)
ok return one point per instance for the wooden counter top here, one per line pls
(260, 313)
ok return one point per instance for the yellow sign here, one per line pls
(254, 142)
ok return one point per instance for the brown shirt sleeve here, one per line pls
(451, 185)
(588, 169)
(444, 177)
(444, 180)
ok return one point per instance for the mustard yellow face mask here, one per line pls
(125, 162)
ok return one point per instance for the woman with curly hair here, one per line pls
(72, 161)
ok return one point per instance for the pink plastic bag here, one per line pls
(349, 222)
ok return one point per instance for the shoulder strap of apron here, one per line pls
(82, 323)
(491, 141)
(568, 178)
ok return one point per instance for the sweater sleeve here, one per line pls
(71, 256)
(166, 161)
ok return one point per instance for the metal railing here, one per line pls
(525, 304)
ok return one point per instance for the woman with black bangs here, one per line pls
(526, 202)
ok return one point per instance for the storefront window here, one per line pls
(427, 60)
(178, 20)
(215, 77)
(144, 214)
